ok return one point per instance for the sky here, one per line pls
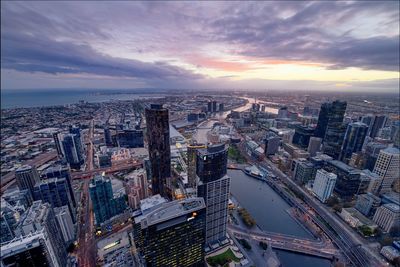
(321, 45)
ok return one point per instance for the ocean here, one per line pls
(40, 98)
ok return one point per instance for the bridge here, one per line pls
(319, 248)
(125, 165)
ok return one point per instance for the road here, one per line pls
(9, 179)
(87, 243)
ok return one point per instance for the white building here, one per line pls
(387, 216)
(324, 184)
(387, 166)
(64, 219)
(390, 252)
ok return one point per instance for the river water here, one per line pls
(269, 211)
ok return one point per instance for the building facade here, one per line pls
(387, 166)
(387, 216)
(353, 140)
(324, 184)
(26, 177)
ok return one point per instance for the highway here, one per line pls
(9, 179)
(86, 241)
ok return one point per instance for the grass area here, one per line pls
(246, 217)
(234, 154)
(222, 259)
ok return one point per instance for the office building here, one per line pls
(272, 143)
(73, 150)
(331, 115)
(20, 199)
(378, 123)
(348, 178)
(159, 149)
(105, 203)
(387, 216)
(282, 113)
(314, 146)
(209, 106)
(214, 106)
(104, 160)
(136, 188)
(107, 136)
(130, 138)
(8, 221)
(214, 186)
(372, 150)
(191, 163)
(57, 137)
(333, 140)
(303, 171)
(387, 167)
(60, 171)
(367, 203)
(324, 184)
(374, 181)
(55, 191)
(66, 224)
(221, 106)
(40, 216)
(390, 252)
(353, 140)
(302, 136)
(34, 249)
(26, 177)
(172, 233)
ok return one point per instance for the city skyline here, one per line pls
(342, 46)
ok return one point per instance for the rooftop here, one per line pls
(392, 207)
(391, 150)
(150, 202)
(344, 166)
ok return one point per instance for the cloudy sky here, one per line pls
(243, 45)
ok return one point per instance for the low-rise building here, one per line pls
(387, 216)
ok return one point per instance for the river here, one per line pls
(269, 211)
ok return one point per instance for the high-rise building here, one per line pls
(105, 203)
(8, 221)
(57, 142)
(387, 216)
(130, 138)
(107, 136)
(209, 106)
(324, 184)
(221, 106)
(59, 171)
(159, 149)
(214, 106)
(378, 123)
(374, 181)
(303, 171)
(26, 177)
(302, 136)
(40, 216)
(348, 178)
(330, 115)
(272, 143)
(353, 140)
(333, 140)
(191, 163)
(55, 191)
(73, 150)
(172, 233)
(214, 186)
(136, 188)
(314, 146)
(66, 224)
(372, 150)
(387, 166)
(367, 203)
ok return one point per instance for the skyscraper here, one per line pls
(8, 221)
(73, 150)
(172, 233)
(209, 106)
(55, 191)
(348, 178)
(60, 171)
(159, 149)
(191, 163)
(353, 140)
(324, 184)
(333, 140)
(66, 224)
(302, 136)
(57, 143)
(40, 216)
(378, 123)
(214, 186)
(107, 136)
(372, 150)
(214, 106)
(314, 146)
(387, 167)
(26, 177)
(331, 114)
(105, 204)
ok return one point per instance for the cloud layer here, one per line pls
(193, 44)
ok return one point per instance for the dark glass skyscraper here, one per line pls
(105, 204)
(214, 186)
(378, 123)
(302, 136)
(353, 140)
(130, 138)
(60, 171)
(191, 163)
(172, 234)
(331, 114)
(73, 150)
(157, 121)
(333, 140)
(26, 177)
